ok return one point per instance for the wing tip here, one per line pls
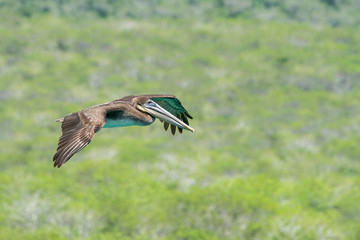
(57, 165)
(56, 160)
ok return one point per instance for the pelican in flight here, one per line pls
(80, 127)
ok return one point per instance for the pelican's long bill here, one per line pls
(157, 111)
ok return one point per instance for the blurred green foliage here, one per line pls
(275, 107)
(332, 12)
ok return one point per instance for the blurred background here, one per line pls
(273, 87)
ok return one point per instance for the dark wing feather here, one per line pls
(77, 132)
(166, 126)
(173, 105)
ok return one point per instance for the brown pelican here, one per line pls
(80, 127)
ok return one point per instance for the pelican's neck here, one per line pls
(112, 122)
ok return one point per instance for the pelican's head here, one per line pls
(155, 110)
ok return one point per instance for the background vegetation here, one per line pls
(273, 87)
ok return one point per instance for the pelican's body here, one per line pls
(79, 128)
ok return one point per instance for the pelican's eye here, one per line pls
(150, 103)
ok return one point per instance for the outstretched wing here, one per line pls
(173, 105)
(77, 132)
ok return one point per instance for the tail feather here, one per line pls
(60, 120)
